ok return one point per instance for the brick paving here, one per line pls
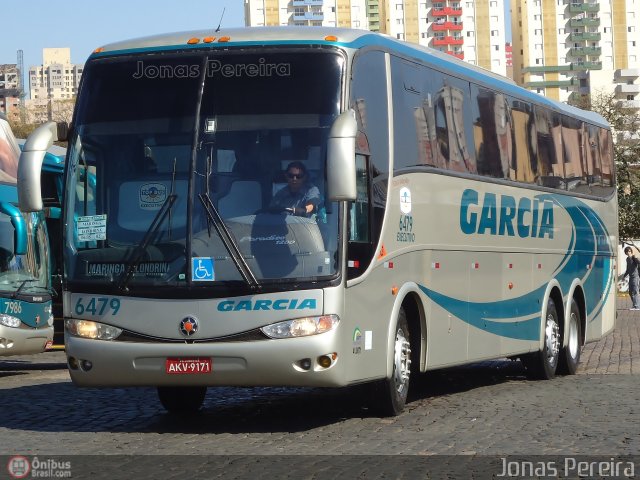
(483, 409)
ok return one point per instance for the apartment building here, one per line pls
(471, 30)
(568, 48)
(10, 90)
(57, 78)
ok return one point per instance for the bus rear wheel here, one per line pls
(542, 365)
(393, 391)
(182, 399)
(570, 354)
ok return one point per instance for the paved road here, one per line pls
(485, 409)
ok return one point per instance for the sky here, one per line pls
(84, 25)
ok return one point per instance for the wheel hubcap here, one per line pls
(402, 362)
(573, 336)
(552, 340)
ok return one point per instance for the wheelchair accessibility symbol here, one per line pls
(202, 269)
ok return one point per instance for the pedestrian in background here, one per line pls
(634, 277)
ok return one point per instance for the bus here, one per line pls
(26, 319)
(52, 193)
(457, 217)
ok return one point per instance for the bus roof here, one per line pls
(342, 37)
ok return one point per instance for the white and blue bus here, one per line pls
(26, 319)
(457, 217)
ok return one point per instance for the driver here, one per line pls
(299, 197)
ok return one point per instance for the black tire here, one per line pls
(392, 392)
(570, 353)
(181, 400)
(542, 365)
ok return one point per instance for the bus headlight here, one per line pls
(301, 327)
(9, 321)
(89, 329)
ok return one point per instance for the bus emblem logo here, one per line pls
(152, 196)
(188, 326)
(405, 200)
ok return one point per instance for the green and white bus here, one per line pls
(461, 218)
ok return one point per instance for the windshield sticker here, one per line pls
(152, 196)
(202, 269)
(92, 227)
(405, 200)
(146, 269)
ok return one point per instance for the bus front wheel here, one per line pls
(393, 391)
(542, 364)
(182, 399)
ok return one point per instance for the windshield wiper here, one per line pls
(23, 283)
(229, 242)
(136, 256)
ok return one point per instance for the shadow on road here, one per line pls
(62, 407)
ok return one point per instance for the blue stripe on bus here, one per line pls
(589, 258)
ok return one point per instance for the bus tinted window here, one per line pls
(606, 158)
(410, 132)
(524, 161)
(551, 173)
(451, 116)
(574, 169)
(492, 132)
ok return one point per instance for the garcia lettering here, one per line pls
(503, 215)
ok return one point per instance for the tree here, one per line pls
(625, 123)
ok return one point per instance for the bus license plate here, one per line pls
(187, 366)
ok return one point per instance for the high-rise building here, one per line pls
(53, 86)
(56, 78)
(568, 48)
(335, 13)
(472, 30)
(10, 90)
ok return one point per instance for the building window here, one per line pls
(496, 48)
(494, 33)
(537, 31)
(400, 36)
(399, 7)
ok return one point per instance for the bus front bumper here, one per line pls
(24, 341)
(284, 362)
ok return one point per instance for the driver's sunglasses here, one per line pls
(298, 176)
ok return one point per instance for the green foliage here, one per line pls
(22, 130)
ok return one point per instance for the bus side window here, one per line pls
(360, 245)
(369, 100)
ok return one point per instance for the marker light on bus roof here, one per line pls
(99, 50)
(301, 327)
(193, 40)
(331, 38)
(224, 39)
(208, 39)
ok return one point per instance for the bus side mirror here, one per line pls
(30, 166)
(341, 158)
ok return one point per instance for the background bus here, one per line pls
(26, 320)
(462, 217)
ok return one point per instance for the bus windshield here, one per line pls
(26, 274)
(159, 138)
